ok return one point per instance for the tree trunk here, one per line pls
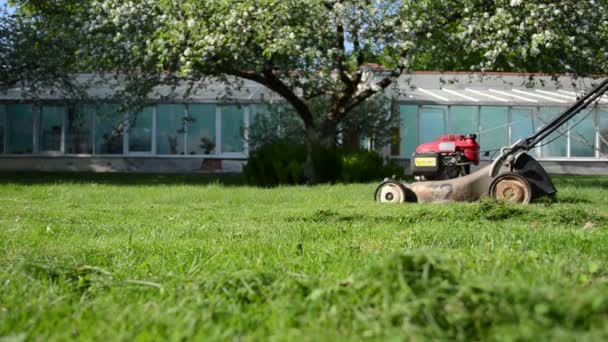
(312, 138)
(328, 132)
(324, 136)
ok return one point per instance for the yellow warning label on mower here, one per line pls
(425, 162)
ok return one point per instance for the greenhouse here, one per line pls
(208, 131)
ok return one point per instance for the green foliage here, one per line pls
(183, 257)
(158, 46)
(367, 166)
(37, 56)
(374, 119)
(283, 162)
(273, 123)
(277, 163)
(371, 119)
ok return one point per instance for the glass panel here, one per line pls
(51, 127)
(2, 125)
(522, 123)
(602, 115)
(109, 125)
(170, 129)
(201, 129)
(232, 129)
(364, 143)
(408, 129)
(558, 147)
(432, 123)
(258, 111)
(20, 129)
(79, 137)
(493, 128)
(261, 125)
(140, 131)
(463, 120)
(582, 137)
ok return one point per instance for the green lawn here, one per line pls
(115, 257)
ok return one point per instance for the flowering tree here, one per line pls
(305, 49)
(35, 55)
(373, 119)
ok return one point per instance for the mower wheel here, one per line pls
(391, 191)
(511, 187)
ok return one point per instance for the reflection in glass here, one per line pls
(232, 129)
(432, 123)
(463, 120)
(582, 136)
(556, 145)
(493, 127)
(408, 129)
(140, 131)
(170, 129)
(50, 128)
(522, 123)
(602, 116)
(20, 129)
(258, 112)
(201, 129)
(2, 125)
(79, 134)
(109, 126)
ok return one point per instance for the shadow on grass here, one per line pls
(143, 179)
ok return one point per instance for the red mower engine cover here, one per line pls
(451, 143)
(449, 156)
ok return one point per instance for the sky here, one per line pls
(3, 3)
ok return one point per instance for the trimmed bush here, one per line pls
(361, 166)
(276, 163)
(283, 163)
(367, 166)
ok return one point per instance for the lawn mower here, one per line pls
(441, 168)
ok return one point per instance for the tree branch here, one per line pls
(367, 93)
(268, 79)
(337, 109)
(275, 84)
(360, 56)
(342, 48)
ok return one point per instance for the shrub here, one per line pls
(366, 166)
(328, 164)
(276, 163)
(393, 170)
(283, 163)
